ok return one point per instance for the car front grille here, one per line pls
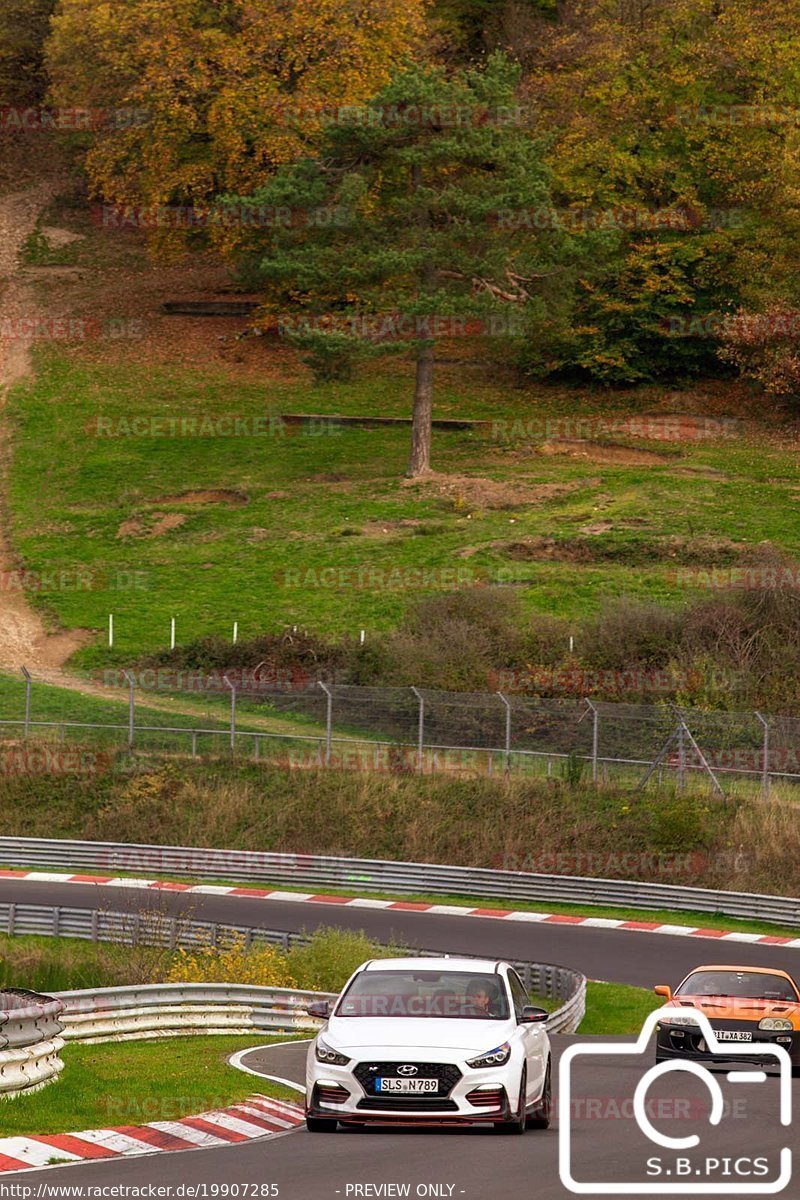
(447, 1074)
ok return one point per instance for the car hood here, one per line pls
(379, 1034)
(736, 1008)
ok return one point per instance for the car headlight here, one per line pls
(678, 1019)
(326, 1054)
(775, 1023)
(492, 1058)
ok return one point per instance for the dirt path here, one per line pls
(24, 640)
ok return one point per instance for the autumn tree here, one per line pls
(221, 90)
(432, 173)
(675, 124)
(24, 25)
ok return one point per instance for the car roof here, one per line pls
(473, 966)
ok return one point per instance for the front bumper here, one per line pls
(465, 1095)
(687, 1042)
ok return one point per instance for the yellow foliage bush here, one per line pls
(260, 966)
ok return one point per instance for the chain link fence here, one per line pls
(47, 716)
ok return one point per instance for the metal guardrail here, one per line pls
(543, 979)
(164, 1010)
(140, 928)
(374, 875)
(30, 1041)
(171, 1010)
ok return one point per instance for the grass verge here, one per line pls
(615, 1008)
(131, 1083)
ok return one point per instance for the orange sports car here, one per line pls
(751, 1005)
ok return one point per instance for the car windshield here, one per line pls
(750, 985)
(451, 994)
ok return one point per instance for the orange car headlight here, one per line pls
(775, 1024)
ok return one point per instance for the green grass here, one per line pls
(614, 1008)
(262, 562)
(131, 1083)
(53, 704)
(48, 965)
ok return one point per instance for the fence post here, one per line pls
(508, 730)
(233, 712)
(595, 736)
(420, 732)
(27, 676)
(681, 757)
(131, 706)
(765, 752)
(328, 721)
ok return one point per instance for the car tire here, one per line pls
(541, 1113)
(517, 1124)
(321, 1125)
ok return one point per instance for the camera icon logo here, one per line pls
(690, 1181)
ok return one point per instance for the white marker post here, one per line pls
(172, 633)
(110, 630)
(235, 632)
(363, 636)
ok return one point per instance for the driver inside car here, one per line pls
(479, 998)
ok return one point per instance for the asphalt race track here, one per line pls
(617, 956)
(476, 1164)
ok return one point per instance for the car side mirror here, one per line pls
(319, 1008)
(533, 1016)
(663, 990)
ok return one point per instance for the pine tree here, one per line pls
(419, 223)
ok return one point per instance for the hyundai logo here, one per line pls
(407, 1069)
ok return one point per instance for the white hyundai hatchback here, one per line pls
(430, 1040)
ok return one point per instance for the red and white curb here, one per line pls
(256, 1117)
(450, 910)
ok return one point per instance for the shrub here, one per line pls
(259, 966)
(323, 965)
(330, 958)
(631, 633)
(765, 347)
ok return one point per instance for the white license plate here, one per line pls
(733, 1035)
(385, 1084)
